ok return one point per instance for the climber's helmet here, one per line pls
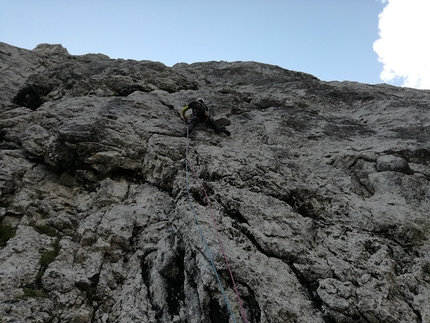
(201, 100)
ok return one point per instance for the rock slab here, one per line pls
(320, 198)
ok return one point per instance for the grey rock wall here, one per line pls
(321, 196)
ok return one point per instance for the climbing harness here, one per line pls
(209, 255)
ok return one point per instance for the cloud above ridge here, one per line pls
(403, 47)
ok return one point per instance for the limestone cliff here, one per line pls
(320, 197)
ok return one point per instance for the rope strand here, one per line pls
(222, 248)
(208, 252)
(218, 237)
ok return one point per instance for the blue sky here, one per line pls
(330, 39)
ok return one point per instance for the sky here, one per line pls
(367, 41)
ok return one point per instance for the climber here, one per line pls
(200, 114)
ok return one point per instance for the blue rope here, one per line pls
(208, 252)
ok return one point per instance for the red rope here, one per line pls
(222, 247)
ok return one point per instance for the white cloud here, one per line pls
(403, 47)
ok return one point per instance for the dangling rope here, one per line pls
(219, 240)
(222, 249)
(208, 252)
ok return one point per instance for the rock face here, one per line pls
(320, 198)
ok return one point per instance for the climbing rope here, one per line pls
(209, 255)
(222, 249)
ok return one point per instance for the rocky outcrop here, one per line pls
(321, 196)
